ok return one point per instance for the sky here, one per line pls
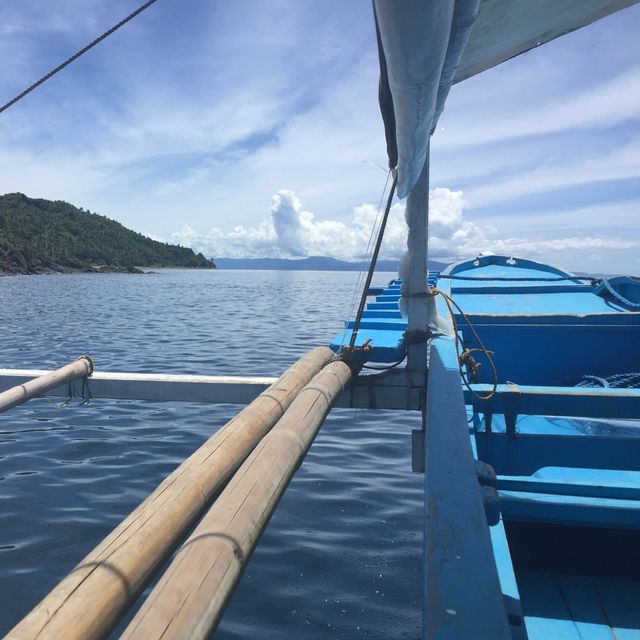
(251, 128)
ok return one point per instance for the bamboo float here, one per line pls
(79, 368)
(93, 597)
(189, 599)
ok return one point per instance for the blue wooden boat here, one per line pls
(530, 441)
(562, 433)
(527, 376)
(532, 482)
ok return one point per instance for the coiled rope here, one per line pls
(464, 355)
(617, 381)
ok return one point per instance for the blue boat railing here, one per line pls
(467, 593)
(561, 456)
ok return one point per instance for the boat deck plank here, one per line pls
(580, 303)
(563, 607)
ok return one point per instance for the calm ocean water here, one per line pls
(341, 556)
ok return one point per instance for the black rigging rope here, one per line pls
(74, 57)
(372, 264)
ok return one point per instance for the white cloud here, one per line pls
(621, 163)
(599, 219)
(196, 118)
(608, 103)
(291, 232)
(208, 129)
(289, 222)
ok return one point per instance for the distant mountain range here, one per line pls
(45, 236)
(313, 263)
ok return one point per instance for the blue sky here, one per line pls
(252, 128)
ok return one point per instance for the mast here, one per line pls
(420, 44)
(413, 271)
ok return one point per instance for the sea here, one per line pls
(340, 558)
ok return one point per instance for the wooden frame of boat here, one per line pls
(550, 478)
(390, 392)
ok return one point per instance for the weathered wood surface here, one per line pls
(95, 595)
(462, 592)
(390, 391)
(189, 599)
(157, 386)
(80, 368)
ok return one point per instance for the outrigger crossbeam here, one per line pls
(389, 391)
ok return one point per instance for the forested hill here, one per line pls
(40, 236)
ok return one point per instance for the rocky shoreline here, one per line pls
(14, 263)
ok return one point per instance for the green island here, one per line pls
(46, 236)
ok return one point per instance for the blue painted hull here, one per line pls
(382, 325)
(542, 332)
(567, 458)
(553, 541)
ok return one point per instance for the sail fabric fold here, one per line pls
(426, 46)
(506, 28)
(420, 42)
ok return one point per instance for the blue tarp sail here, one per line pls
(427, 45)
(420, 48)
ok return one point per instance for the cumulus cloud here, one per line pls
(287, 217)
(293, 232)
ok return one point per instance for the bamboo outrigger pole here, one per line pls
(39, 386)
(94, 596)
(189, 599)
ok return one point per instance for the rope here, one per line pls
(74, 57)
(361, 271)
(592, 381)
(619, 381)
(348, 355)
(85, 391)
(618, 296)
(372, 264)
(69, 397)
(465, 356)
